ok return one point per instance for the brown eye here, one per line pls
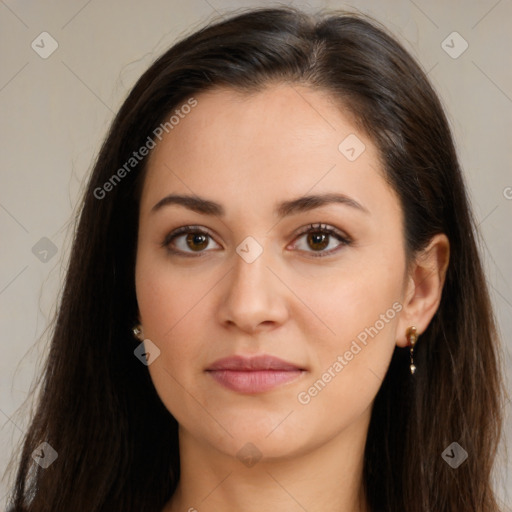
(197, 241)
(319, 237)
(187, 240)
(318, 241)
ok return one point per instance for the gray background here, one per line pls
(55, 113)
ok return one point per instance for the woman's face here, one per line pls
(256, 283)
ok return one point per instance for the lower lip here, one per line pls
(255, 381)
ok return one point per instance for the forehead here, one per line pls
(285, 140)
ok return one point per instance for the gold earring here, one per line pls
(137, 330)
(412, 337)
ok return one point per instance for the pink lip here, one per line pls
(253, 374)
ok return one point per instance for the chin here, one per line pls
(261, 437)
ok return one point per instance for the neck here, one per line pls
(327, 478)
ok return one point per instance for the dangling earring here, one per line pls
(412, 337)
(137, 330)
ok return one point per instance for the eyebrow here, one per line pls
(283, 209)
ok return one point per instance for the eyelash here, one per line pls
(313, 228)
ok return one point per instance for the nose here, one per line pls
(254, 297)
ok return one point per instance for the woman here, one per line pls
(279, 216)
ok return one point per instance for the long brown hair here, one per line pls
(117, 444)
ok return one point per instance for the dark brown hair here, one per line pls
(117, 444)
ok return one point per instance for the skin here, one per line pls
(249, 152)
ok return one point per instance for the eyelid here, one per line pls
(319, 226)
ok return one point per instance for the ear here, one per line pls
(424, 286)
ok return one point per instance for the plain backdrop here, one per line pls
(55, 111)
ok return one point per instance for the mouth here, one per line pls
(255, 374)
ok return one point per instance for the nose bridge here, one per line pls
(252, 295)
(251, 273)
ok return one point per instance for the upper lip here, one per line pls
(253, 363)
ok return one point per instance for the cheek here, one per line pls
(170, 307)
(361, 309)
(166, 296)
(364, 297)
(351, 365)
